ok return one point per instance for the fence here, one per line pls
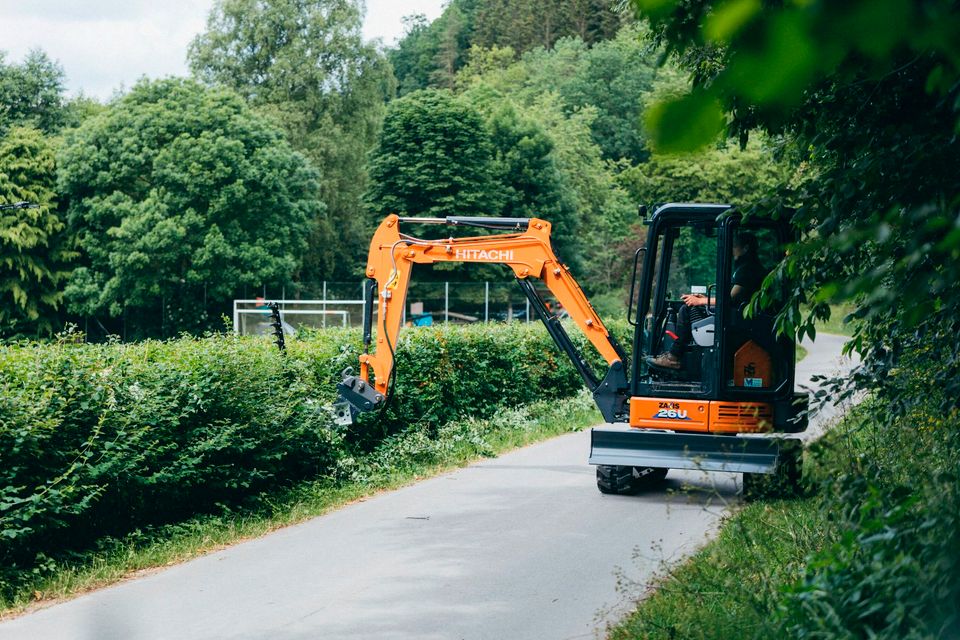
(341, 304)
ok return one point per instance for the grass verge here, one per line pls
(873, 552)
(728, 589)
(401, 460)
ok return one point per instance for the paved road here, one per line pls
(823, 358)
(518, 547)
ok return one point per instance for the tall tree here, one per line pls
(414, 59)
(434, 159)
(532, 185)
(528, 24)
(182, 198)
(423, 57)
(31, 93)
(611, 77)
(305, 63)
(34, 250)
(450, 49)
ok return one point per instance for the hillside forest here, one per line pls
(268, 167)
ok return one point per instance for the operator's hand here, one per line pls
(694, 299)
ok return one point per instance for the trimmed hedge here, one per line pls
(100, 440)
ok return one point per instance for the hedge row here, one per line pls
(99, 440)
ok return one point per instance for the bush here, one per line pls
(874, 553)
(892, 496)
(102, 439)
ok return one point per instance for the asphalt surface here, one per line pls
(522, 546)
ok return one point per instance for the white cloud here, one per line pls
(384, 17)
(104, 45)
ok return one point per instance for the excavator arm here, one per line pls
(525, 247)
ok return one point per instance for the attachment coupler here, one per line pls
(354, 396)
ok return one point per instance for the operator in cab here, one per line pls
(748, 274)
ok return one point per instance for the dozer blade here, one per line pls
(672, 450)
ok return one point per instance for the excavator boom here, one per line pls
(524, 246)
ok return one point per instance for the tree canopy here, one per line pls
(31, 93)
(306, 65)
(34, 251)
(432, 53)
(434, 159)
(875, 113)
(611, 77)
(180, 196)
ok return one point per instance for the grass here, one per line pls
(401, 461)
(835, 324)
(733, 585)
(872, 553)
(728, 589)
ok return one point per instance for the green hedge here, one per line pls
(100, 440)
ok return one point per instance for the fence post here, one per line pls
(486, 302)
(324, 307)
(446, 302)
(236, 319)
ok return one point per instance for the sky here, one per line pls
(106, 45)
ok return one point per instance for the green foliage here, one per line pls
(31, 93)
(604, 212)
(682, 124)
(610, 78)
(396, 461)
(867, 93)
(528, 24)
(414, 57)
(102, 439)
(34, 250)
(430, 54)
(726, 174)
(731, 588)
(891, 570)
(180, 196)
(874, 554)
(524, 166)
(434, 159)
(80, 108)
(306, 65)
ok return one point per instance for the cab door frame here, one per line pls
(729, 226)
(665, 217)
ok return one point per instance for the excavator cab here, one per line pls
(730, 402)
(692, 252)
(727, 404)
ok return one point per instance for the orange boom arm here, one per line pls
(528, 253)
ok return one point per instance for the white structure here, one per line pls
(253, 317)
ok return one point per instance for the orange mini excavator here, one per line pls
(728, 406)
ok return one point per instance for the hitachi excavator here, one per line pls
(726, 403)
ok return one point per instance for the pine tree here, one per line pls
(34, 250)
